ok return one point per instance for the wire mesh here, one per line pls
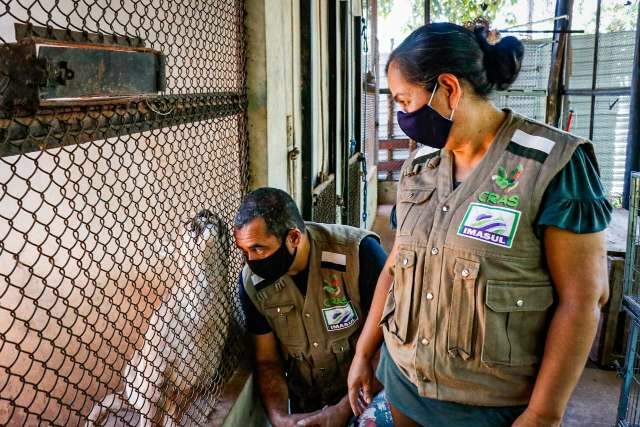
(629, 404)
(118, 302)
(324, 202)
(610, 129)
(354, 191)
(615, 60)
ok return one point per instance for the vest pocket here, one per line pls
(286, 323)
(389, 306)
(403, 292)
(515, 322)
(462, 309)
(408, 199)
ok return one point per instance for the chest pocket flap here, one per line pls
(409, 204)
(416, 196)
(513, 298)
(287, 324)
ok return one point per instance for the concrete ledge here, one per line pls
(239, 404)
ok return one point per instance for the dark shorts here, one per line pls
(403, 395)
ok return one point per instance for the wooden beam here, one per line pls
(394, 144)
(558, 59)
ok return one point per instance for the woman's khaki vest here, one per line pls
(467, 315)
(317, 332)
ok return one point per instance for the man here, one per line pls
(305, 292)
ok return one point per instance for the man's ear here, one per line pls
(294, 237)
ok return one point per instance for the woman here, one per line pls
(491, 295)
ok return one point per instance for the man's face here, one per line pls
(255, 240)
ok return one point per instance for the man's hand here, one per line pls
(286, 420)
(330, 416)
(531, 419)
(360, 383)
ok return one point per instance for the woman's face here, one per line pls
(409, 96)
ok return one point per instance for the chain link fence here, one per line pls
(118, 301)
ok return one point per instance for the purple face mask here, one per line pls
(426, 125)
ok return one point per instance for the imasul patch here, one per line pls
(339, 317)
(490, 224)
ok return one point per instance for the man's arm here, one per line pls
(268, 365)
(270, 378)
(578, 267)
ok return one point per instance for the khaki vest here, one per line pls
(467, 315)
(317, 332)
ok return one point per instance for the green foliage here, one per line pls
(616, 15)
(457, 11)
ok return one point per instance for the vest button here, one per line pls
(307, 315)
(465, 273)
(315, 344)
(405, 261)
(520, 303)
(425, 341)
(445, 208)
(434, 251)
(429, 296)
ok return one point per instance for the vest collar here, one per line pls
(480, 174)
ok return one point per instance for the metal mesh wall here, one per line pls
(610, 130)
(117, 273)
(369, 127)
(324, 202)
(533, 76)
(629, 404)
(354, 170)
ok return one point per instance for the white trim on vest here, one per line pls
(425, 150)
(334, 258)
(533, 141)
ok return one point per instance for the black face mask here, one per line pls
(426, 125)
(275, 265)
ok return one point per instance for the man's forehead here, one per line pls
(254, 231)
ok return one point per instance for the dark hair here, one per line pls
(438, 48)
(275, 206)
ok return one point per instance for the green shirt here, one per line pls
(575, 199)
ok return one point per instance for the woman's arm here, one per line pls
(361, 371)
(578, 267)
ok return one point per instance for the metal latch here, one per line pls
(59, 73)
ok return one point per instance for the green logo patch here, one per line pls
(510, 181)
(333, 292)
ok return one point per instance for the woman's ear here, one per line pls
(452, 88)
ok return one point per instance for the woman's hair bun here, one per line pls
(502, 61)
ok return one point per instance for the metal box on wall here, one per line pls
(39, 72)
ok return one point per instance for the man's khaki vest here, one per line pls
(467, 315)
(317, 333)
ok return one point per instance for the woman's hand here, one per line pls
(530, 419)
(360, 383)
